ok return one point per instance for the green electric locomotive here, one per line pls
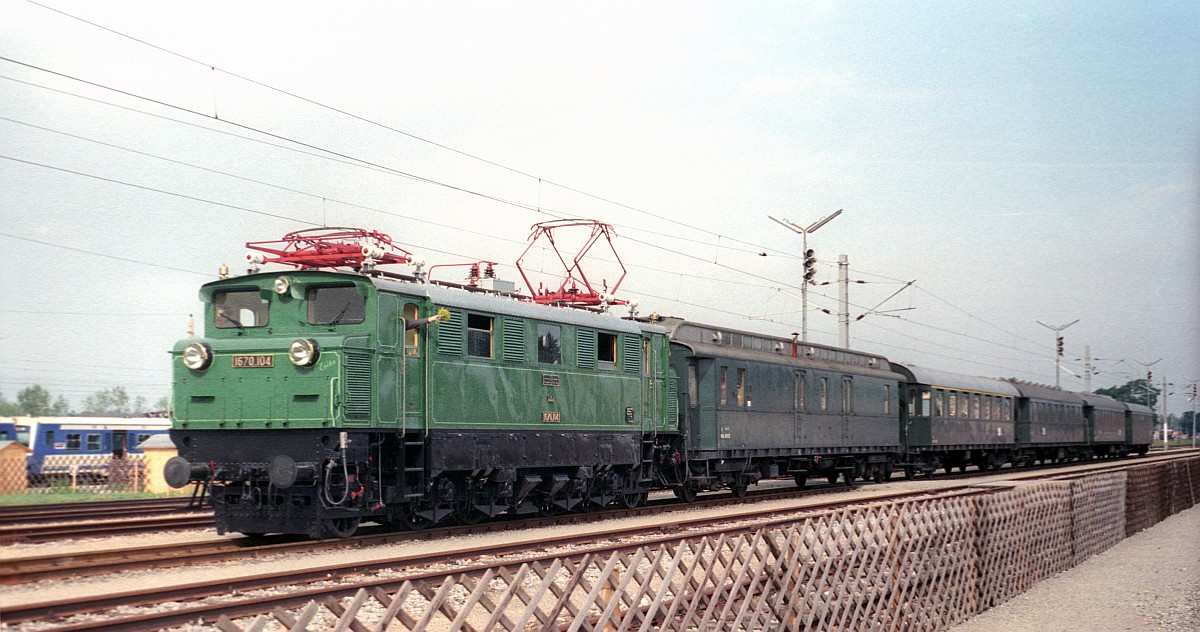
(319, 399)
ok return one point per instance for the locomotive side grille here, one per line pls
(514, 340)
(358, 386)
(450, 334)
(673, 399)
(632, 362)
(585, 348)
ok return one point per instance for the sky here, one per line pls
(1018, 162)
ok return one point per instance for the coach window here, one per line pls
(798, 389)
(887, 399)
(847, 395)
(939, 404)
(479, 336)
(549, 344)
(336, 305)
(923, 408)
(824, 393)
(741, 388)
(724, 387)
(74, 441)
(240, 309)
(953, 405)
(93, 443)
(606, 350)
(975, 407)
(987, 407)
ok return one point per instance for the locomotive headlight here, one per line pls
(281, 285)
(303, 352)
(197, 356)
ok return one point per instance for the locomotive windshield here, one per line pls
(335, 305)
(240, 309)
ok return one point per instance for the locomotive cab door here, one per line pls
(412, 386)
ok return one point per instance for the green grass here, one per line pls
(37, 498)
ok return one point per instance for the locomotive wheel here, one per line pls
(470, 516)
(340, 527)
(686, 493)
(631, 500)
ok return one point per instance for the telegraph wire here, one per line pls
(363, 163)
(363, 119)
(101, 254)
(318, 152)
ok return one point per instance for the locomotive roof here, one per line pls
(445, 296)
(511, 306)
(946, 379)
(1048, 393)
(1102, 402)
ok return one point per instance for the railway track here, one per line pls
(590, 536)
(64, 614)
(92, 510)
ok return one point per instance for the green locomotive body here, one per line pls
(320, 399)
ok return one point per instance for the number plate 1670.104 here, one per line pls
(253, 361)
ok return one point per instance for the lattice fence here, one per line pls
(98, 474)
(916, 565)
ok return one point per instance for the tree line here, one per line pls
(37, 401)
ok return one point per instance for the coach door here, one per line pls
(798, 394)
(118, 443)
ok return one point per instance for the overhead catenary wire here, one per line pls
(356, 161)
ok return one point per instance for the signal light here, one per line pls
(810, 265)
(1059, 342)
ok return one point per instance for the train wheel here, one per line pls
(910, 472)
(801, 479)
(631, 500)
(832, 478)
(340, 527)
(877, 474)
(686, 493)
(739, 491)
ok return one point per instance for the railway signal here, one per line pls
(810, 265)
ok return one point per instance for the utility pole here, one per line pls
(809, 263)
(1164, 413)
(844, 302)
(1192, 398)
(1087, 369)
(1058, 345)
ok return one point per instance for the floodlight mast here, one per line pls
(1058, 348)
(804, 231)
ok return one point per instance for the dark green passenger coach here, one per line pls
(320, 399)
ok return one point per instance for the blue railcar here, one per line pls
(83, 445)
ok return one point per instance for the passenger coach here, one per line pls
(756, 406)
